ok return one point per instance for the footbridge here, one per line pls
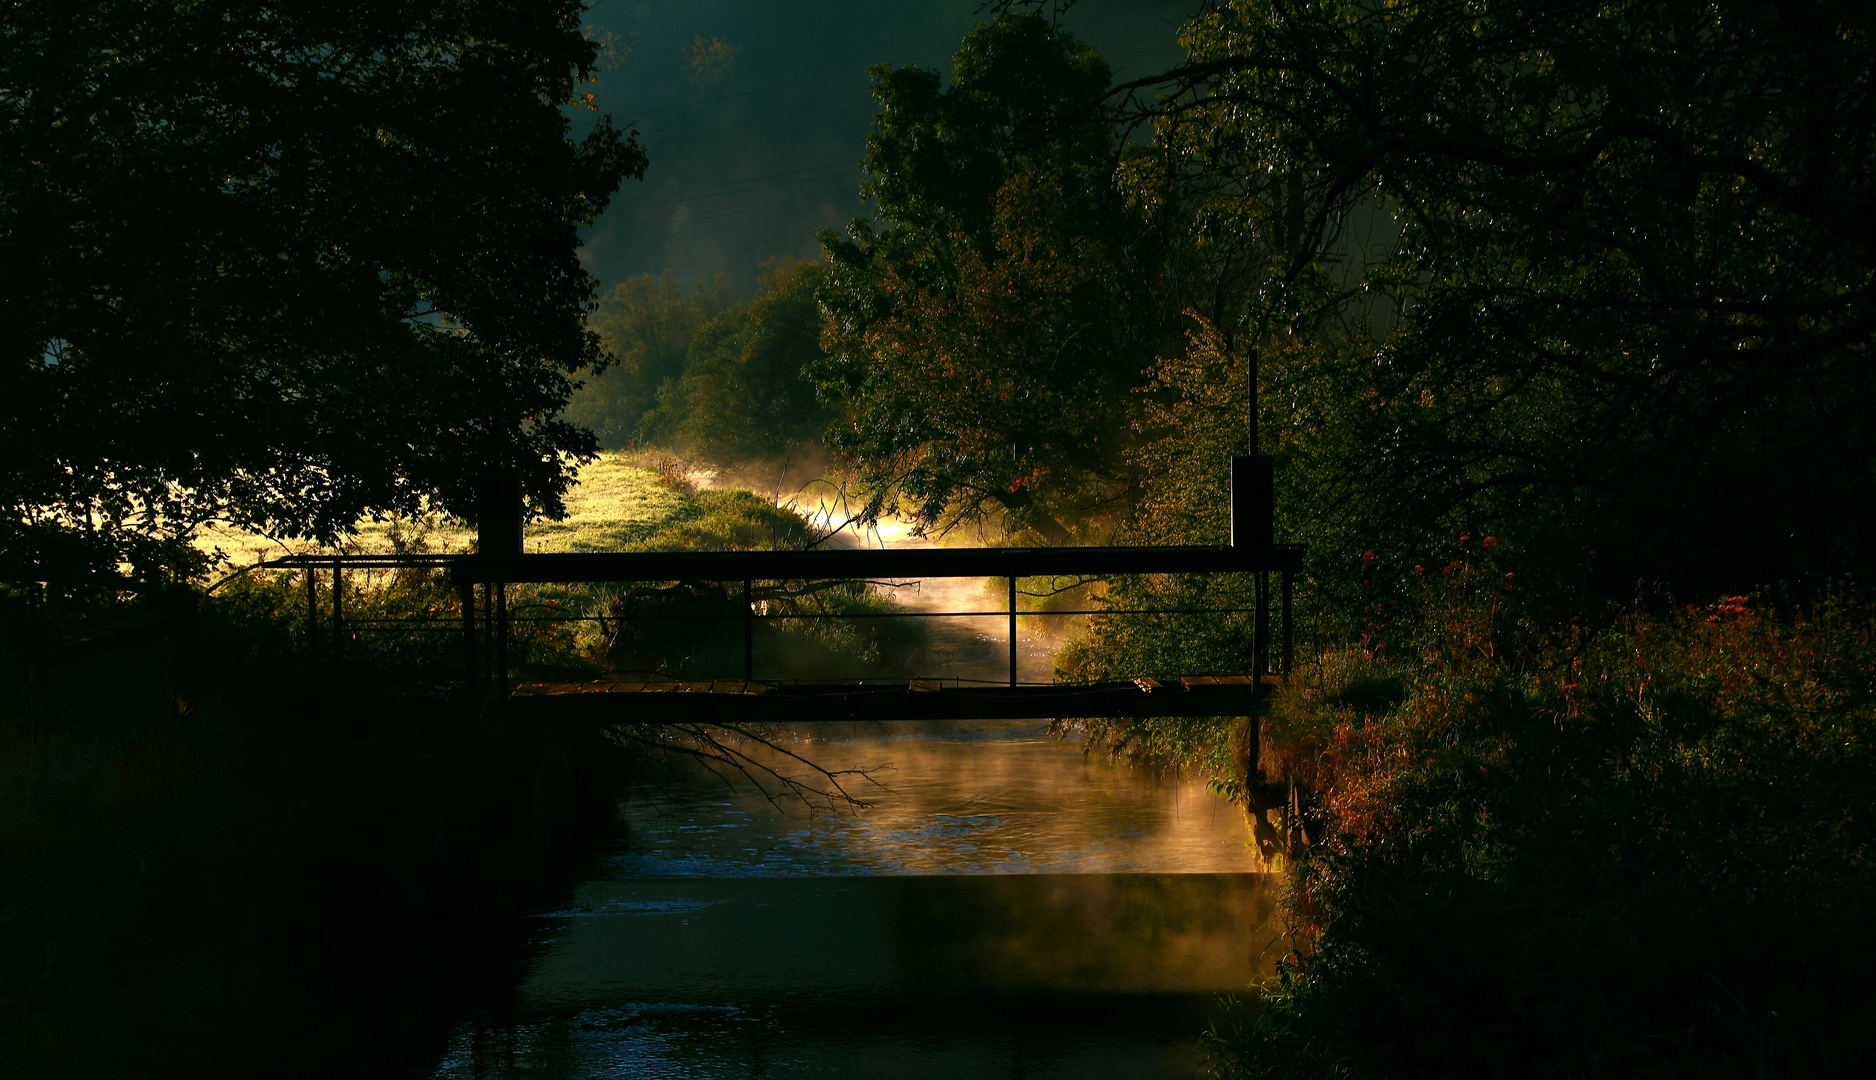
(483, 581)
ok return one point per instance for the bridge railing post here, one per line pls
(1012, 632)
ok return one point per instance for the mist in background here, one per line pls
(755, 115)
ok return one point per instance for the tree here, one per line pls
(647, 324)
(286, 264)
(744, 394)
(982, 339)
(1628, 307)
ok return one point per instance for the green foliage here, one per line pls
(647, 324)
(696, 632)
(284, 265)
(1191, 422)
(743, 394)
(1645, 851)
(1608, 298)
(982, 340)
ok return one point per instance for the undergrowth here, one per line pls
(1540, 848)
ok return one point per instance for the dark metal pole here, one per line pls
(1287, 655)
(1012, 631)
(501, 640)
(466, 593)
(338, 611)
(749, 631)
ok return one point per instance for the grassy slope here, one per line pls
(621, 501)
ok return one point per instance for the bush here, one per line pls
(1645, 851)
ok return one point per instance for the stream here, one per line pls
(1003, 905)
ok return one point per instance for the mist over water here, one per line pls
(755, 116)
(1007, 906)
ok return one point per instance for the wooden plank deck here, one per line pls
(607, 701)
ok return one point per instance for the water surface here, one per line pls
(1005, 907)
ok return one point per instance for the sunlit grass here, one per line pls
(621, 502)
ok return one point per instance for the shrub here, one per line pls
(1645, 851)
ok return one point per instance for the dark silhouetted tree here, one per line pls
(285, 264)
(1625, 300)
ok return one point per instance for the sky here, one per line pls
(755, 112)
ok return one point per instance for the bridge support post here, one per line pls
(1012, 632)
(749, 631)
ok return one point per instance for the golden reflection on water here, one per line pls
(1007, 907)
(984, 798)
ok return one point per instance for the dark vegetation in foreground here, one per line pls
(218, 842)
(1639, 850)
(218, 860)
(1573, 284)
(1520, 845)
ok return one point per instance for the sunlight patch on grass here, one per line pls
(614, 506)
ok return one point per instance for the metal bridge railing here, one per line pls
(493, 576)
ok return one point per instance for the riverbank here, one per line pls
(1530, 849)
(212, 865)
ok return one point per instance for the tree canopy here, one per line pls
(647, 323)
(285, 264)
(979, 340)
(744, 394)
(1620, 310)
